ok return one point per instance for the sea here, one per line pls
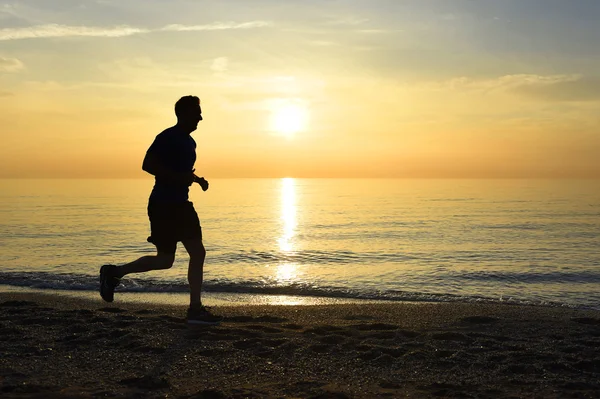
(521, 241)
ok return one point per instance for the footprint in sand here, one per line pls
(174, 323)
(77, 328)
(292, 326)
(587, 320)
(147, 382)
(258, 343)
(591, 366)
(450, 336)
(206, 335)
(369, 355)
(246, 344)
(259, 319)
(480, 319)
(17, 304)
(375, 327)
(330, 395)
(382, 335)
(394, 352)
(145, 311)
(579, 386)
(389, 385)
(99, 319)
(9, 333)
(83, 312)
(211, 394)
(156, 350)
(211, 352)
(324, 330)
(46, 321)
(126, 317)
(408, 333)
(332, 339)
(118, 333)
(320, 348)
(359, 318)
(265, 329)
(111, 310)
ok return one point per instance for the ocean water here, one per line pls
(513, 241)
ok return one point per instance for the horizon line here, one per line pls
(321, 177)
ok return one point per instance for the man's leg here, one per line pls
(197, 252)
(110, 274)
(162, 260)
(197, 313)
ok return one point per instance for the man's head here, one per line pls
(188, 112)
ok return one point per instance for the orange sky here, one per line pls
(418, 89)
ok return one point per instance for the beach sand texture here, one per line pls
(56, 346)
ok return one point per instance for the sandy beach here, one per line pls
(56, 346)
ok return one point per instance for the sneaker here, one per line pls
(108, 282)
(202, 316)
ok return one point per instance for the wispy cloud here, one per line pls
(562, 88)
(374, 31)
(220, 65)
(580, 89)
(348, 21)
(10, 64)
(501, 83)
(56, 30)
(323, 43)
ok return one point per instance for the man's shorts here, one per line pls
(171, 223)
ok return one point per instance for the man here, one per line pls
(171, 159)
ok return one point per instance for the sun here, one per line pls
(288, 117)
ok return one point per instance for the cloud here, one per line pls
(565, 88)
(56, 30)
(215, 26)
(10, 64)
(518, 83)
(505, 82)
(575, 90)
(6, 94)
(323, 43)
(348, 21)
(373, 31)
(220, 65)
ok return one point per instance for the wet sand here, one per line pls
(58, 346)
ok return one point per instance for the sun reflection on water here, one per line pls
(287, 271)
(288, 214)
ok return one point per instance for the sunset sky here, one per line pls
(378, 88)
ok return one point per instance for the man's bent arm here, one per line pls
(153, 166)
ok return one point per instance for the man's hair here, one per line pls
(185, 104)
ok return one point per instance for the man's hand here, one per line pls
(202, 182)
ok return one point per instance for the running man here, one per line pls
(171, 159)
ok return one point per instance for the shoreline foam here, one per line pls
(182, 298)
(280, 297)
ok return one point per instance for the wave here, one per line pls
(558, 277)
(334, 257)
(77, 282)
(321, 257)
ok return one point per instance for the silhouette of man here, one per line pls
(171, 159)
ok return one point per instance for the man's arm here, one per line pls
(155, 167)
(202, 182)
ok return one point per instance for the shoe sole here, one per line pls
(102, 281)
